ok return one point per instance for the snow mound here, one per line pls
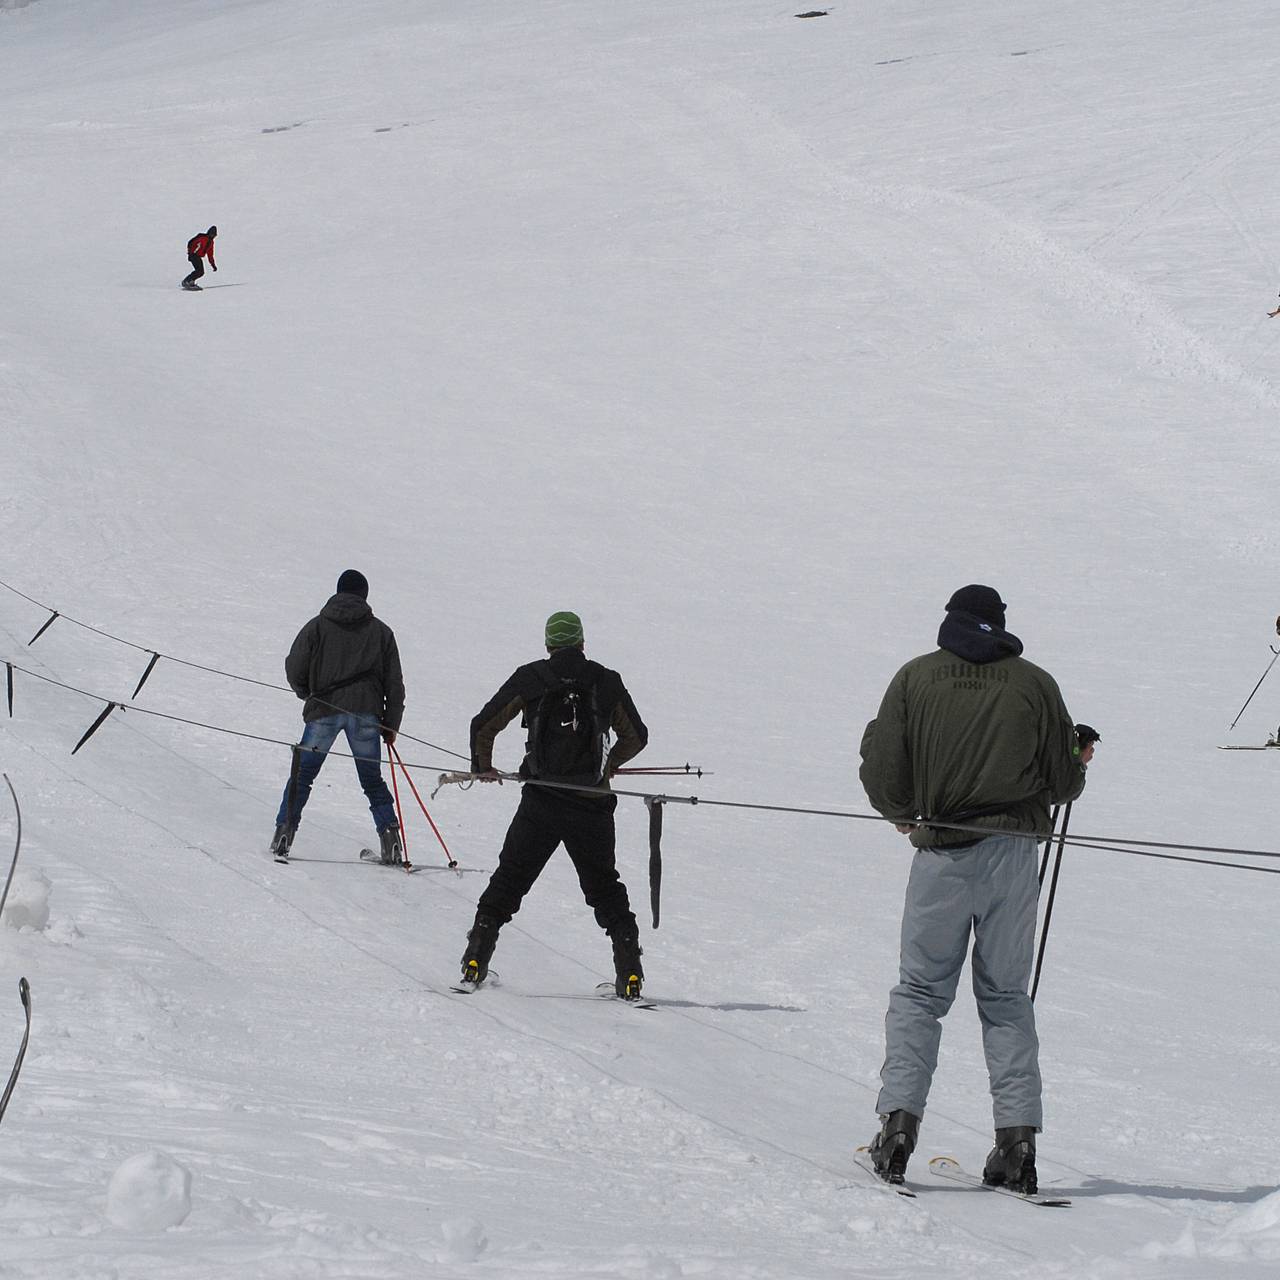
(464, 1240)
(27, 906)
(149, 1192)
(1255, 1233)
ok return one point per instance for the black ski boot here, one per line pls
(893, 1145)
(392, 853)
(628, 974)
(1012, 1162)
(282, 841)
(480, 944)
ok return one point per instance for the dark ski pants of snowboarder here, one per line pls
(989, 889)
(365, 741)
(197, 269)
(542, 823)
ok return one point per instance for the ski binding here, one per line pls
(946, 1167)
(862, 1158)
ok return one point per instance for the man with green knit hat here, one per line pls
(581, 727)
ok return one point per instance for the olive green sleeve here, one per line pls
(886, 771)
(1064, 775)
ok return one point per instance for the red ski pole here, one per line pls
(395, 791)
(395, 755)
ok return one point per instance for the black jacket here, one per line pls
(345, 659)
(526, 686)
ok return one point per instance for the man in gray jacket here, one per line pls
(971, 734)
(345, 665)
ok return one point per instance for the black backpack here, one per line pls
(568, 736)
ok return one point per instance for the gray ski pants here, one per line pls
(990, 888)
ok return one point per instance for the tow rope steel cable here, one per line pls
(1112, 844)
(1107, 843)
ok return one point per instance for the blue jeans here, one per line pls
(366, 745)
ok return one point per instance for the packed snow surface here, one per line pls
(749, 339)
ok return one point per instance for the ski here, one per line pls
(946, 1167)
(862, 1158)
(606, 991)
(1263, 746)
(374, 857)
(24, 994)
(470, 988)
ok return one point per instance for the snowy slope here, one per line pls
(750, 339)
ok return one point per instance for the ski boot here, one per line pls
(282, 841)
(628, 974)
(389, 842)
(480, 944)
(892, 1146)
(1012, 1162)
(192, 287)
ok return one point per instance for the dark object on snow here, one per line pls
(814, 13)
(17, 844)
(95, 726)
(199, 246)
(654, 805)
(24, 994)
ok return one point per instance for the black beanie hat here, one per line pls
(353, 582)
(213, 231)
(982, 602)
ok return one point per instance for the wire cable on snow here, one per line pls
(157, 654)
(117, 705)
(1110, 844)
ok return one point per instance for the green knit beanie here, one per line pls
(564, 630)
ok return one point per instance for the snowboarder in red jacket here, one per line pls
(199, 246)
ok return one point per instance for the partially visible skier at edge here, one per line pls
(971, 733)
(199, 246)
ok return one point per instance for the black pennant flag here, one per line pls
(53, 617)
(654, 805)
(155, 657)
(94, 727)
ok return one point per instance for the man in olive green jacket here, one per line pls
(971, 734)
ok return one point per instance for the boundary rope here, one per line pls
(115, 704)
(1110, 844)
(156, 655)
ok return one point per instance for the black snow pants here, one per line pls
(197, 268)
(542, 823)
